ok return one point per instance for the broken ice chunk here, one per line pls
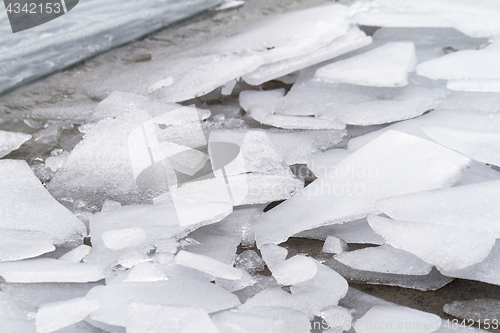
(384, 259)
(105, 157)
(13, 309)
(478, 310)
(370, 174)
(325, 289)
(385, 66)
(108, 205)
(220, 248)
(177, 291)
(358, 105)
(358, 231)
(334, 245)
(159, 223)
(479, 145)
(478, 19)
(235, 285)
(472, 206)
(250, 261)
(23, 244)
(460, 119)
(189, 77)
(478, 173)
(290, 35)
(207, 265)
(321, 163)
(448, 248)
(26, 205)
(353, 40)
(481, 64)
(55, 162)
(292, 146)
(10, 141)
(391, 318)
(227, 89)
(432, 281)
(54, 316)
(444, 40)
(296, 321)
(77, 254)
(230, 321)
(337, 318)
(294, 270)
(121, 238)
(261, 106)
(296, 146)
(49, 270)
(146, 318)
(146, 272)
(17, 325)
(486, 271)
(273, 255)
(33, 295)
(277, 297)
(477, 85)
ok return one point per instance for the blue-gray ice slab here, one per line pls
(90, 28)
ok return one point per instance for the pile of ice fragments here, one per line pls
(171, 206)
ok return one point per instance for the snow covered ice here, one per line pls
(254, 169)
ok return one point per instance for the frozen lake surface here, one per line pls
(89, 29)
